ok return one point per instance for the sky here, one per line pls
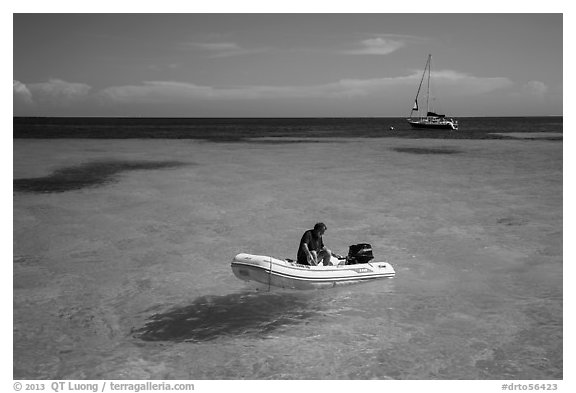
(285, 65)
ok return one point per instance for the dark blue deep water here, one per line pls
(230, 129)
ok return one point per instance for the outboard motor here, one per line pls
(359, 253)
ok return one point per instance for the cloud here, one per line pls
(461, 83)
(52, 97)
(531, 91)
(222, 49)
(58, 93)
(375, 46)
(165, 91)
(535, 88)
(56, 96)
(162, 67)
(218, 46)
(154, 92)
(162, 92)
(21, 94)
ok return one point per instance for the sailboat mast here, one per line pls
(428, 89)
(416, 107)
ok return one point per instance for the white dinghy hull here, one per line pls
(287, 274)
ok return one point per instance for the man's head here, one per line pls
(320, 228)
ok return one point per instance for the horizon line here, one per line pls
(258, 117)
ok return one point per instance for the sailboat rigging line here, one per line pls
(420, 85)
(428, 92)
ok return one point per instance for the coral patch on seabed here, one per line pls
(87, 175)
(426, 150)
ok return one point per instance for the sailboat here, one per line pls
(431, 119)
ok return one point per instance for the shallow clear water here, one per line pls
(128, 276)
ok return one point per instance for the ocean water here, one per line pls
(229, 129)
(124, 230)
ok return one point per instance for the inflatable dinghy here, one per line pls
(285, 273)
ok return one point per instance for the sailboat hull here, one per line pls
(440, 125)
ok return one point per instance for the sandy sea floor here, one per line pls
(122, 259)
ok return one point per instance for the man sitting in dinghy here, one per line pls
(312, 250)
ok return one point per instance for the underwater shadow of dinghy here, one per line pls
(211, 317)
(87, 175)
